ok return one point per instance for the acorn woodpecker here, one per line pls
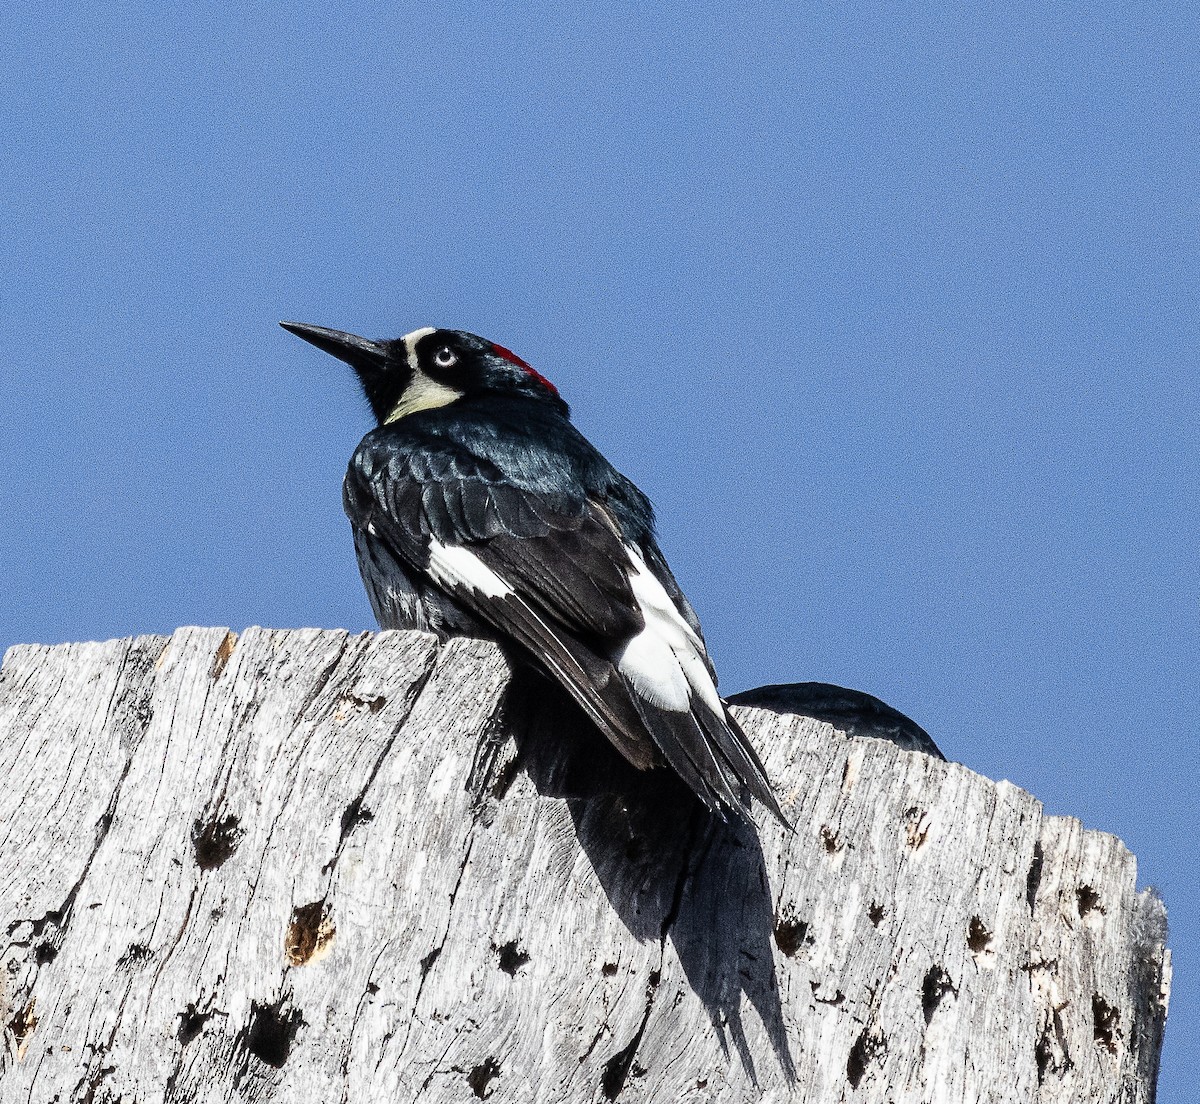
(479, 509)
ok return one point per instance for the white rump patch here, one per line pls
(453, 567)
(665, 661)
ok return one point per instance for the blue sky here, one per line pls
(891, 310)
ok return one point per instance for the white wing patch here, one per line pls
(665, 661)
(453, 566)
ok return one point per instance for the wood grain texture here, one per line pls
(309, 866)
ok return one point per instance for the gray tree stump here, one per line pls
(308, 866)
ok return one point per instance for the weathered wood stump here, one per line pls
(308, 866)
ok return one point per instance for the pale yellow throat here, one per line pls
(422, 394)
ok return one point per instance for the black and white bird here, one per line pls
(479, 509)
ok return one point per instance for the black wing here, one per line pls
(552, 571)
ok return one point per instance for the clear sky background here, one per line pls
(891, 309)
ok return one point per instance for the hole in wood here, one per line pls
(191, 1023)
(1034, 877)
(371, 702)
(272, 1032)
(511, 957)
(790, 935)
(865, 1049)
(978, 937)
(1088, 901)
(481, 1077)
(215, 841)
(309, 935)
(1042, 1055)
(934, 988)
(979, 942)
(134, 953)
(609, 969)
(353, 815)
(875, 913)
(830, 839)
(21, 1027)
(1106, 1023)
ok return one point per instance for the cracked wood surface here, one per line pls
(309, 866)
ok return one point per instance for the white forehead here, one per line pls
(410, 344)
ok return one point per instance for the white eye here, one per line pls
(445, 357)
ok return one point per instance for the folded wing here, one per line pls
(554, 574)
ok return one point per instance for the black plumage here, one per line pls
(478, 508)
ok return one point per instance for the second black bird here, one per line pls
(478, 508)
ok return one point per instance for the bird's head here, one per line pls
(428, 368)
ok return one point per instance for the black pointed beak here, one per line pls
(358, 352)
